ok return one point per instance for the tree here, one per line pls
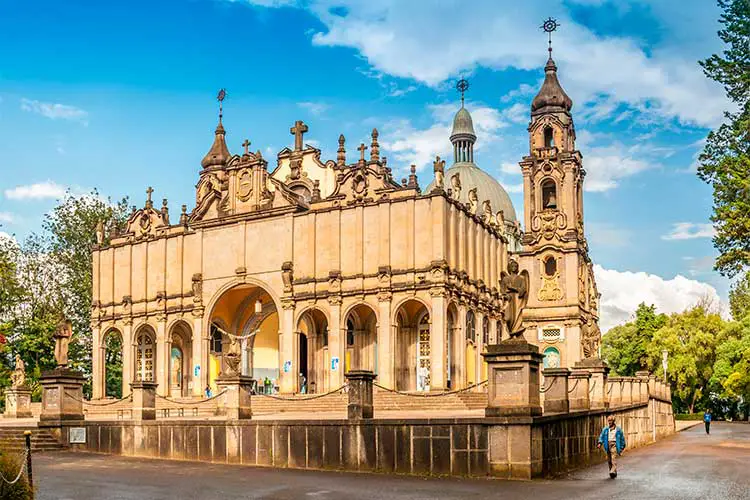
(739, 298)
(731, 377)
(690, 339)
(71, 232)
(624, 347)
(725, 160)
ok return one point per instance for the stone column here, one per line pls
(385, 353)
(336, 343)
(62, 396)
(360, 394)
(290, 379)
(199, 370)
(98, 377)
(161, 374)
(438, 335)
(614, 390)
(459, 339)
(580, 381)
(626, 395)
(236, 396)
(599, 381)
(556, 390)
(144, 400)
(479, 361)
(127, 356)
(643, 378)
(18, 402)
(513, 387)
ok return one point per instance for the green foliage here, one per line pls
(725, 160)
(689, 416)
(624, 347)
(10, 464)
(113, 365)
(739, 298)
(691, 339)
(731, 373)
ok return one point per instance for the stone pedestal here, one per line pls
(580, 383)
(360, 394)
(62, 396)
(513, 379)
(598, 382)
(144, 400)
(237, 390)
(643, 378)
(18, 402)
(556, 390)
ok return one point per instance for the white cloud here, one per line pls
(622, 292)
(55, 111)
(315, 108)
(6, 217)
(690, 231)
(698, 266)
(513, 188)
(517, 113)
(429, 43)
(607, 165)
(509, 168)
(37, 191)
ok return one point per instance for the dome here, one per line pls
(463, 124)
(488, 188)
(551, 95)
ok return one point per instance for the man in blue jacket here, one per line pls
(707, 420)
(613, 441)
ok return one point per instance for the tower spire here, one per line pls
(462, 86)
(551, 97)
(549, 26)
(219, 153)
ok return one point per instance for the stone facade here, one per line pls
(315, 268)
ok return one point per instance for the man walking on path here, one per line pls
(613, 441)
(707, 421)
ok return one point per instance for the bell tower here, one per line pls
(562, 310)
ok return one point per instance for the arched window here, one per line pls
(216, 341)
(471, 329)
(350, 332)
(549, 195)
(144, 357)
(551, 358)
(498, 331)
(485, 331)
(324, 336)
(550, 266)
(549, 137)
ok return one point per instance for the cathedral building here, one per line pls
(312, 268)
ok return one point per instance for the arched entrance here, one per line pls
(145, 354)
(412, 356)
(313, 356)
(180, 356)
(113, 364)
(244, 321)
(451, 367)
(361, 350)
(471, 348)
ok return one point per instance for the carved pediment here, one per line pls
(361, 183)
(144, 223)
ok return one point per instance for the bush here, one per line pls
(10, 464)
(689, 416)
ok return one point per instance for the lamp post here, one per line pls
(664, 355)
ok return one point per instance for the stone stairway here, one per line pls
(12, 439)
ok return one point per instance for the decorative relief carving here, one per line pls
(548, 223)
(287, 275)
(244, 185)
(197, 288)
(550, 289)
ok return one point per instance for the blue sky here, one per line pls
(121, 95)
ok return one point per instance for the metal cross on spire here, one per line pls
(462, 86)
(220, 97)
(549, 26)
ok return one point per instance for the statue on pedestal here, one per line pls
(63, 333)
(591, 337)
(515, 289)
(18, 377)
(233, 357)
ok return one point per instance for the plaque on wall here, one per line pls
(77, 435)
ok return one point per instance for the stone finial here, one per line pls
(341, 154)
(164, 211)
(413, 178)
(246, 145)
(374, 146)
(316, 191)
(403, 182)
(149, 203)
(362, 148)
(438, 167)
(184, 216)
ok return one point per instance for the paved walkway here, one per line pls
(689, 465)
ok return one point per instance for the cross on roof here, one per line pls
(298, 131)
(362, 148)
(148, 192)
(246, 145)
